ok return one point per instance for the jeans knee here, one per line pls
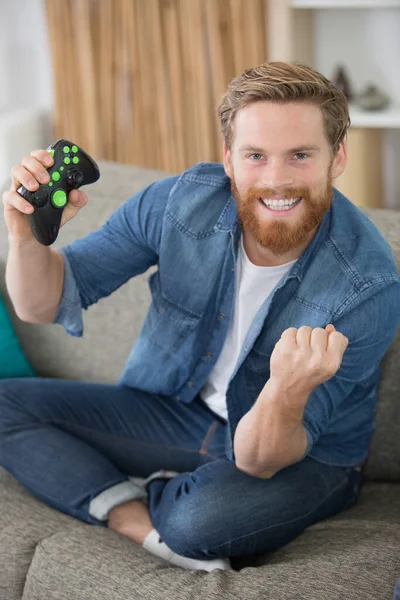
(192, 528)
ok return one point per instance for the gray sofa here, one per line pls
(45, 554)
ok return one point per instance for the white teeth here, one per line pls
(280, 204)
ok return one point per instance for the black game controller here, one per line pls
(72, 168)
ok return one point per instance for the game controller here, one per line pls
(72, 168)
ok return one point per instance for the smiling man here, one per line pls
(281, 176)
(245, 411)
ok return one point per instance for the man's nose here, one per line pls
(277, 175)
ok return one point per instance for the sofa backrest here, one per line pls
(112, 325)
(383, 462)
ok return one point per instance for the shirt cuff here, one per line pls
(69, 313)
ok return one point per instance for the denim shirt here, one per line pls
(188, 226)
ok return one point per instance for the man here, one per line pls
(246, 407)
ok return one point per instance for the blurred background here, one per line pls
(139, 81)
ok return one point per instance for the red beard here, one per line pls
(282, 235)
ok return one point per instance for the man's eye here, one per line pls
(256, 156)
(301, 155)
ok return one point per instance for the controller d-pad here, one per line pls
(39, 198)
(74, 177)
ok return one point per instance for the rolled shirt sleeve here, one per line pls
(125, 246)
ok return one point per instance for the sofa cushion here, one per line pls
(351, 555)
(13, 362)
(24, 522)
(351, 562)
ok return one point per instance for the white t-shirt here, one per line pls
(253, 286)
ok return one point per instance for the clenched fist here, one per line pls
(304, 358)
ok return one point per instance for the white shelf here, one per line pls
(346, 3)
(380, 119)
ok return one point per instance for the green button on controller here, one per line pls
(51, 152)
(66, 149)
(74, 148)
(75, 160)
(67, 160)
(59, 198)
(55, 176)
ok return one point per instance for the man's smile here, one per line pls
(280, 207)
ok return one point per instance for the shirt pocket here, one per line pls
(170, 326)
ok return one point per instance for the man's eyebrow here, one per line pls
(257, 150)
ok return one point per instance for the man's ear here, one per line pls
(340, 160)
(228, 161)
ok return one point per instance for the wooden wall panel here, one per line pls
(139, 81)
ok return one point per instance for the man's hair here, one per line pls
(284, 82)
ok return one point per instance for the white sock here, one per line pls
(152, 544)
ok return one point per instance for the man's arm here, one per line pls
(34, 273)
(287, 419)
(271, 435)
(34, 278)
(49, 286)
(94, 266)
(302, 359)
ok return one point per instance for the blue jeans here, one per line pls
(69, 441)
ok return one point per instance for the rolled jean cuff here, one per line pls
(117, 494)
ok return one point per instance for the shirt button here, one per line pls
(190, 384)
(221, 316)
(246, 348)
(177, 397)
(209, 354)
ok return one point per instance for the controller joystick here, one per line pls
(39, 198)
(50, 199)
(75, 178)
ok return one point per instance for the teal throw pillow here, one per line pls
(13, 362)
